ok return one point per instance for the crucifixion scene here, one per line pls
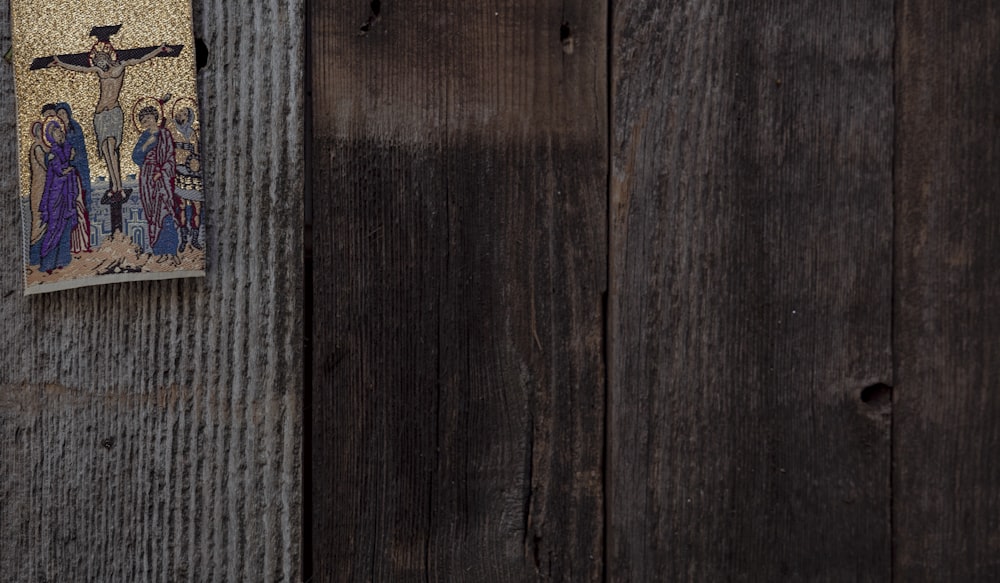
(92, 214)
(108, 65)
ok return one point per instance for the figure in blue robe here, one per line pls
(74, 135)
(58, 209)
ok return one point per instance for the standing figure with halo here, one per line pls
(189, 185)
(154, 154)
(58, 208)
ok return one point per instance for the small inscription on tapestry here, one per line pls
(109, 145)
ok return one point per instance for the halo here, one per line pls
(102, 47)
(185, 102)
(45, 123)
(144, 102)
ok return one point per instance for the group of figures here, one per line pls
(168, 158)
(170, 185)
(60, 189)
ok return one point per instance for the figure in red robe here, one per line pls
(155, 156)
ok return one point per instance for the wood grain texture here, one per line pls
(751, 225)
(460, 204)
(946, 506)
(151, 431)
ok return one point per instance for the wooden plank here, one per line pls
(751, 224)
(460, 228)
(151, 431)
(946, 431)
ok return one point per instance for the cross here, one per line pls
(109, 64)
(103, 34)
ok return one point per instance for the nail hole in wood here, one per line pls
(200, 53)
(877, 394)
(376, 8)
(108, 442)
(566, 38)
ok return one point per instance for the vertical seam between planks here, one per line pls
(306, 567)
(894, 283)
(607, 337)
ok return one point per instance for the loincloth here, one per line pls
(108, 124)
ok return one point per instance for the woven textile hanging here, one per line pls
(109, 144)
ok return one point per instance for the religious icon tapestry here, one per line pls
(109, 146)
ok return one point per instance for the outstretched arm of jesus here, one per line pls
(57, 63)
(160, 49)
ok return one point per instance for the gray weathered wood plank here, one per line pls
(151, 431)
(751, 224)
(946, 434)
(460, 220)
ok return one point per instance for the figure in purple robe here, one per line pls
(155, 156)
(57, 209)
(74, 135)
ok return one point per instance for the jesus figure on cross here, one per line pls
(109, 66)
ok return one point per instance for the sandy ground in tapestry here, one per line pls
(108, 141)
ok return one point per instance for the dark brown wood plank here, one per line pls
(946, 505)
(460, 252)
(151, 431)
(751, 291)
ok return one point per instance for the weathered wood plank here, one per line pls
(151, 431)
(751, 224)
(460, 227)
(946, 504)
